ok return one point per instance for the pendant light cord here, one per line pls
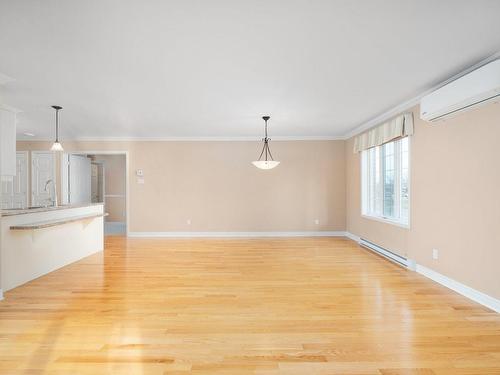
(57, 125)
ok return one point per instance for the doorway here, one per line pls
(98, 177)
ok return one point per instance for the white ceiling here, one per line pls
(212, 68)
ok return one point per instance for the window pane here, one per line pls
(388, 173)
(386, 181)
(404, 195)
(389, 193)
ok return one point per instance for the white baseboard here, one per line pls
(236, 234)
(352, 237)
(473, 294)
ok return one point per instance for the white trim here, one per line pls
(352, 237)
(386, 221)
(1, 294)
(415, 100)
(114, 195)
(103, 187)
(189, 139)
(11, 109)
(236, 234)
(464, 290)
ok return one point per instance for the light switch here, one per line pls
(139, 173)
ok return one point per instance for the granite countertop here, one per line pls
(23, 211)
(55, 222)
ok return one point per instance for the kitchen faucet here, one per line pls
(50, 199)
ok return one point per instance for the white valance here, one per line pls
(398, 127)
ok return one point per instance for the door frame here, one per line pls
(103, 179)
(127, 181)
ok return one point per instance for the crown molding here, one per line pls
(392, 112)
(9, 108)
(387, 115)
(184, 139)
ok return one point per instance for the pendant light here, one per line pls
(266, 164)
(56, 146)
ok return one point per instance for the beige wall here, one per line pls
(114, 186)
(214, 185)
(455, 179)
(455, 182)
(391, 237)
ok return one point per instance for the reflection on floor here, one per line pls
(242, 306)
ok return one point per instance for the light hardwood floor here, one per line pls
(247, 306)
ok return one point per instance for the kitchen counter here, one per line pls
(55, 222)
(23, 211)
(34, 242)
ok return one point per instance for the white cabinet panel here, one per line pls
(7, 143)
(14, 192)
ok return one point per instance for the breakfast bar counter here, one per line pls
(36, 241)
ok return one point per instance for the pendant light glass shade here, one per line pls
(265, 164)
(268, 162)
(57, 146)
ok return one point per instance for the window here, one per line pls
(385, 182)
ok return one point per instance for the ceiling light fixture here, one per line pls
(56, 146)
(266, 164)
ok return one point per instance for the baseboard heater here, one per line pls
(393, 257)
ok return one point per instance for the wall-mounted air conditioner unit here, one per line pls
(477, 87)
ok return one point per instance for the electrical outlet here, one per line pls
(435, 254)
(188, 221)
(316, 221)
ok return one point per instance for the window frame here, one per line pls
(364, 190)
